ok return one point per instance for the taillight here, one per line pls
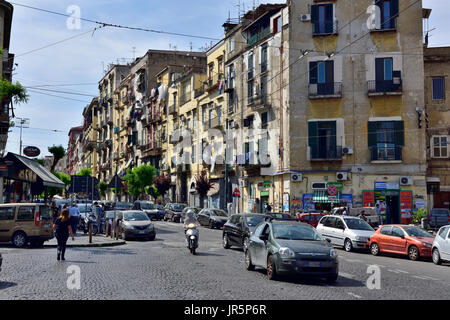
(37, 218)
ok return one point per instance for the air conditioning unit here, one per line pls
(319, 185)
(347, 150)
(296, 177)
(406, 181)
(305, 17)
(340, 176)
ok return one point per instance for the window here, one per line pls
(276, 25)
(231, 45)
(250, 91)
(250, 66)
(26, 213)
(322, 140)
(210, 117)
(204, 114)
(194, 118)
(439, 146)
(264, 58)
(231, 76)
(258, 230)
(7, 213)
(397, 232)
(322, 18)
(339, 224)
(388, 13)
(263, 89)
(321, 77)
(438, 88)
(330, 222)
(264, 120)
(386, 231)
(386, 139)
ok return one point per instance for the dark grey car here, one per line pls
(135, 224)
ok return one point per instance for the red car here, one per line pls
(402, 239)
(311, 218)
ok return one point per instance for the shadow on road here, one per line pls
(105, 251)
(164, 231)
(205, 254)
(5, 285)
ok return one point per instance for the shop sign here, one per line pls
(368, 198)
(387, 186)
(31, 151)
(406, 206)
(264, 193)
(308, 202)
(338, 185)
(27, 175)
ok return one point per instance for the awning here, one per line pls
(321, 196)
(48, 179)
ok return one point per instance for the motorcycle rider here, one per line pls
(188, 219)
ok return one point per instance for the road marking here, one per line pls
(354, 295)
(353, 260)
(394, 271)
(347, 275)
(425, 278)
(402, 271)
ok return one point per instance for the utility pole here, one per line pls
(24, 123)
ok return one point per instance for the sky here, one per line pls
(76, 65)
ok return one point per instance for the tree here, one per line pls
(86, 172)
(13, 92)
(102, 188)
(65, 178)
(138, 179)
(162, 185)
(152, 191)
(202, 185)
(58, 153)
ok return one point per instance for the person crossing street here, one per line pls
(62, 229)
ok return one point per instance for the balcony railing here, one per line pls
(324, 153)
(389, 25)
(325, 90)
(324, 28)
(185, 98)
(217, 122)
(385, 87)
(260, 102)
(257, 37)
(212, 82)
(386, 153)
(173, 109)
(155, 117)
(198, 92)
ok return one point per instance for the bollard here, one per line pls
(117, 232)
(90, 231)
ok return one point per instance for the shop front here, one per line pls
(327, 198)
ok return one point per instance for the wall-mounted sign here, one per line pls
(387, 186)
(31, 151)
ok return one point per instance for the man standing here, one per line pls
(97, 210)
(74, 214)
(378, 209)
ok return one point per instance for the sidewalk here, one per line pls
(82, 240)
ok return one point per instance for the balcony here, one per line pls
(175, 138)
(217, 122)
(185, 98)
(212, 83)
(257, 37)
(386, 154)
(125, 98)
(324, 153)
(198, 92)
(259, 103)
(385, 87)
(109, 119)
(173, 109)
(155, 117)
(388, 26)
(324, 28)
(331, 90)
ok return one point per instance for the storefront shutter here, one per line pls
(399, 127)
(372, 133)
(313, 140)
(313, 72)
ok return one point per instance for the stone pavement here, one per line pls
(82, 240)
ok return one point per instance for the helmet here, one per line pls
(190, 214)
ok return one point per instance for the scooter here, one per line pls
(192, 236)
(93, 220)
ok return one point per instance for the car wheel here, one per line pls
(19, 239)
(413, 253)
(225, 243)
(436, 257)
(248, 261)
(245, 244)
(211, 225)
(348, 245)
(271, 269)
(374, 249)
(152, 238)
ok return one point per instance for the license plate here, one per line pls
(142, 231)
(314, 264)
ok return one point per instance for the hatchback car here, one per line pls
(291, 247)
(402, 239)
(135, 224)
(348, 232)
(441, 245)
(213, 218)
(239, 227)
(172, 211)
(311, 218)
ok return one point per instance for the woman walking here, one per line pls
(63, 228)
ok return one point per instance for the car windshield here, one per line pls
(135, 216)
(253, 221)
(147, 206)
(358, 224)
(295, 232)
(219, 213)
(440, 212)
(178, 206)
(121, 205)
(417, 232)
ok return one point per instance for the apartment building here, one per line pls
(356, 84)
(436, 120)
(90, 136)
(74, 134)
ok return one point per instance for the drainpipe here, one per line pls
(281, 114)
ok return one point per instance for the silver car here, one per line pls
(135, 224)
(348, 232)
(441, 245)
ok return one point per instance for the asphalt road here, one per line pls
(164, 269)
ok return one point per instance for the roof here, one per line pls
(48, 179)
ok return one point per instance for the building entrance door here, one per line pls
(392, 210)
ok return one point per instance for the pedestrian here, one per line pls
(62, 229)
(344, 212)
(378, 209)
(97, 211)
(325, 212)
(268, 208)
(55, 211)
(74, 214)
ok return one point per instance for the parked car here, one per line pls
(441, 245)
(239, 227)
(402, 239)
(172, 211)
(24, 223)
(311, 218)
(135, 224)
(213, 218)
(150, 209)
(438, 217)
(348, 232)
(122, 206)
(291, 247)
(195, 209)
(280, 216)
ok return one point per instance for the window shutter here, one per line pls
(372, 133)
(313, 72)
(329, 18)
(394, 10)
(313, 139)
(399, 133)
(314, 14)
(379, 69)
(329, 71)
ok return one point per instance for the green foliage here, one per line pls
(58, 153)
(102, 188)
(162, 184)
(40, 161)
(64, 177)
(152, 191)
(138, 179)
(13, 92)
(418, 215)
(86, 172)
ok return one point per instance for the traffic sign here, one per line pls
(237, 193)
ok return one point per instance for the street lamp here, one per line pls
(24, 123)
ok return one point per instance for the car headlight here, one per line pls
(425, 244)
(333, 253)
(362, 239)
(286, 252)
(150, 226)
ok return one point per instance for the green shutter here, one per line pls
(372, 133)
(399, 133)
(313, 139)
(314, 14)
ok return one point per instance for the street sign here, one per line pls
(237, 193)
(116, 182)
(332, 190)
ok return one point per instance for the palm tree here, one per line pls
(13, 92)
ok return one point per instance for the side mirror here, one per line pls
(264, 237)
(329, 241)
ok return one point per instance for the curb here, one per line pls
(89, 245)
